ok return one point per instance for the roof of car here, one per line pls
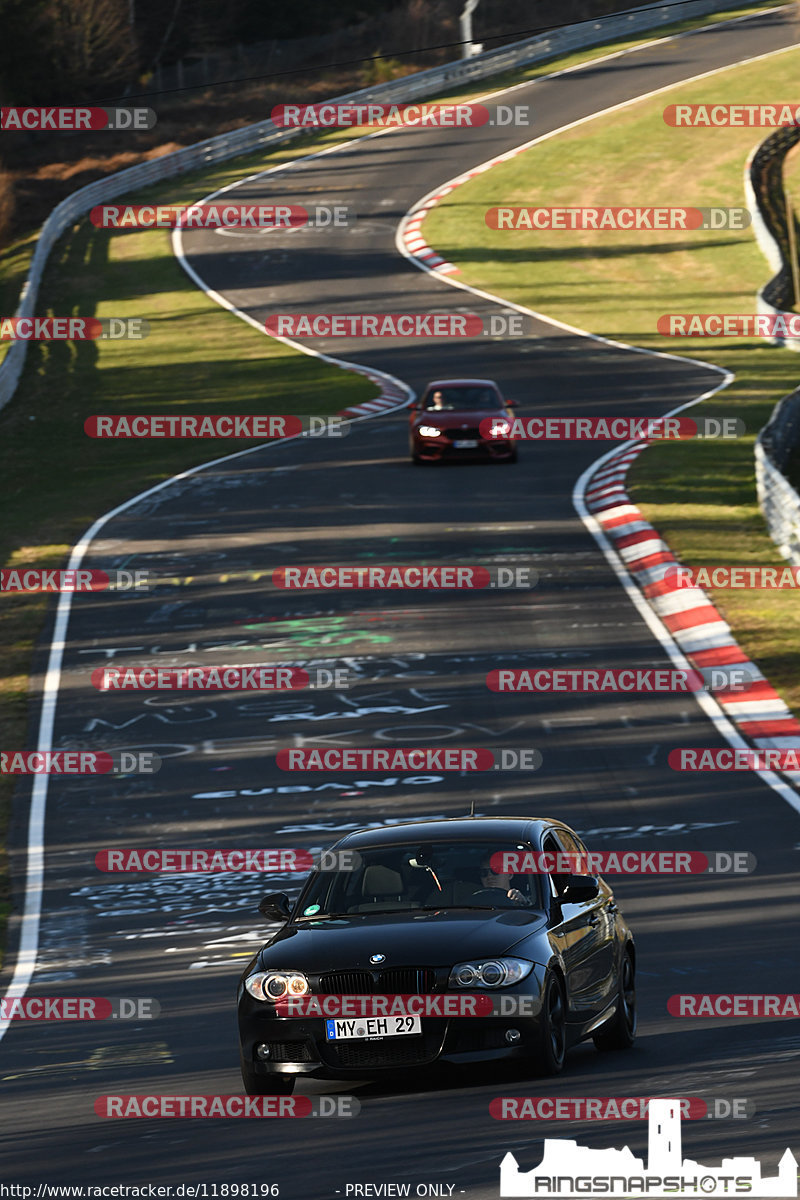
(463, 829)
(460, 383)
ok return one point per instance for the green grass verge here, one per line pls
(198, 359)
(700, 496)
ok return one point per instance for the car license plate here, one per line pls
(466, 444)
(371, 1027)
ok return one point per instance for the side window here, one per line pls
(572, 844)
(557, 879)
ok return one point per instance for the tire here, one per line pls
(551, 1034)
(620, 1032)
(267, 1085)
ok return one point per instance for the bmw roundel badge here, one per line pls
(377, 958)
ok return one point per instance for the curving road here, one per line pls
(419, 662)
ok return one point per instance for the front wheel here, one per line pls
(620, 1032)
(551, 1035)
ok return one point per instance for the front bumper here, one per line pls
(441, 448)
(298, 1046)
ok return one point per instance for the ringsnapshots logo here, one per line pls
(396, 325)
(398, 116)
(414, 577)
(611, 429)
(421, 758)
(73, 329)
(223, 425)
(568, 1169)
(611, 219)
(79, 762)
(74, 119)
(220, 679)
(286, 217)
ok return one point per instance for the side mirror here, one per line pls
(579, 888)
(414, 404)
(511, 403)
(276, 906)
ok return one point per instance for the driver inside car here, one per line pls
(490, 879)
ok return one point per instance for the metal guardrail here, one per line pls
(763, 179)
(777, 499)
(264, 133)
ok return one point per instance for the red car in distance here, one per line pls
(445, 422)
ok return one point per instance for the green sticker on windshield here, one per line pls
(312, 908)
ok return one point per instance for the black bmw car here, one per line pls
(434, 911)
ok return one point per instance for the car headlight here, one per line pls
(489, 973)
(276, 985)
(500, 429)
(429, 431)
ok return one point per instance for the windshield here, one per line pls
(414, 876)
(455, 399)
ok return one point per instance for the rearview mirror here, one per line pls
(276, 906)
(579, 888)
(512, 403)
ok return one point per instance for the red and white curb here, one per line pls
(392, 395)
(688, 615)
(409, 233)
(415, 243)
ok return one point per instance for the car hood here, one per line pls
(454, 420)
(440, 938)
